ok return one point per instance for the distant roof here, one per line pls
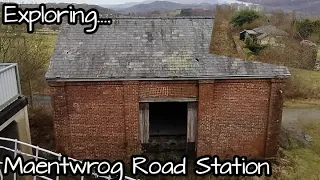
(262, 36)
(270, 30)
(147, 48)
(250, 31)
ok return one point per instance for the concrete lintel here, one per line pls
(169, 100)
(206, 81)
(12, 109)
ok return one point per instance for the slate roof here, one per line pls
(262, 36)
(250, 32)
(270, 30)
(147, 48)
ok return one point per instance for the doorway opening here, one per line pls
(168, 125)
(168, 129)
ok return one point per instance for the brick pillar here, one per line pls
(131, 110)
(275, 117)
(205, 118)
(61, 118)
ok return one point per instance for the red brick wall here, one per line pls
(101, 119)
(94, 117)
(275, 118)
(235, 120)
(172, 89)
(61, 120)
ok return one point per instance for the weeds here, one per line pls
(305, 161)
(41, 127)
(303, 84)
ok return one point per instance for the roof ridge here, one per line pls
(244, 60)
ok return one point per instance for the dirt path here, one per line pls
(292, 116)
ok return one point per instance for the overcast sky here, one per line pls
(85, 1)
(80, 1)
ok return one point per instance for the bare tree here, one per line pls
(30, 51)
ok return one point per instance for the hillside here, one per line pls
(187, 1)
(86, 7)
(164, 6)
(280, 2)
(305, 6)
(130, 4)
(120, 6)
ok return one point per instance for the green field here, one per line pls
(12, 45)
(50, 39)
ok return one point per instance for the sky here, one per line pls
(79, 1)
(86, 1)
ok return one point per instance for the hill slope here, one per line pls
(129, 5)
(163, 6)
(86, 7)
(306, 6)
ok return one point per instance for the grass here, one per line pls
(173, 13)
(41, 127)
(302, 103)
(309, 77)
(303, 84)
(248, 52)
(50, 39)
(306, 160)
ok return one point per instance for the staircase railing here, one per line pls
(37, 156)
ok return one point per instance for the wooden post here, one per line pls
(144, 122)
(192, 122)
(30, 92)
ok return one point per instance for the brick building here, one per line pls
(143, 84)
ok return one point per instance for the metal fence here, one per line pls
(37, 156)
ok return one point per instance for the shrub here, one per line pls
(303, 84)
(244, 17)
(41, 127)
(305, 28)
(253, 46)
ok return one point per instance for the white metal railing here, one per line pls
(9, 84)
(37, 156)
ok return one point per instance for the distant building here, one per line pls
(270, 35)
(246, 33)
(265, 35)
(240, 7)
(256, 7)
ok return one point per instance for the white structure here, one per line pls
(14, 126)
(38, 155)
(10, 86)
(243, 6)
(14, 122)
